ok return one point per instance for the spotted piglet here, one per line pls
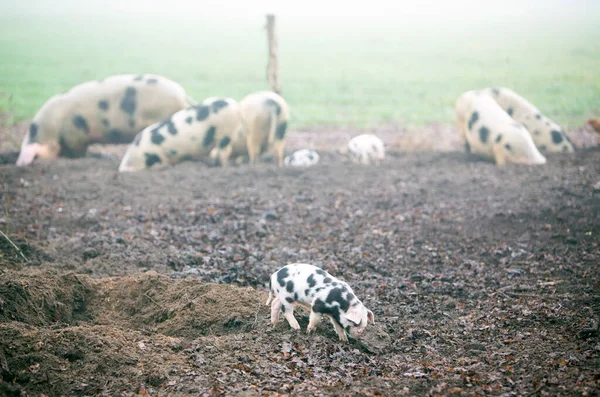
(323, 294)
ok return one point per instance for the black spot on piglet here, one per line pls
(557, 137)
(218, 105)
(152, 159)
(224, 142)
(282, 274)
(202, 112)
(508, 147)
(335, 295)
(151, 81)
(156, 137)
(280, 133)
(289, 287)
(289, 299)
(209, 136)
(33, 133)
(275, 105)
(81, 123)
(128, 103)
(189, 120)
(498, 138)
(473, 120)
(311, 281)
(509, 111)
(103, 105)
(484, 133)
(320, 307)
(139, 77)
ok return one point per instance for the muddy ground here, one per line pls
(483, 281)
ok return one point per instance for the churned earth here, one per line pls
(483, 280)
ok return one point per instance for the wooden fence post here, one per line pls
(273, 64)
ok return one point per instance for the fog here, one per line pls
(441, 10)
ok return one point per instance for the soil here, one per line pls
(483, 280)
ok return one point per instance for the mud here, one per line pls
(483, 280)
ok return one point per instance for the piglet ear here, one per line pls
(370, 316)
(354, 315)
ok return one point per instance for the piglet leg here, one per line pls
(315, 318)
(288, 312)
(275, 308)
(340, 331)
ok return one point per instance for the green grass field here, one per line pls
(331, 74)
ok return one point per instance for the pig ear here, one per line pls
(354, 315)
(370, 316)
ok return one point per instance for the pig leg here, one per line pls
(275, 308)
(278, 148)
(253, 149)
(288, 312)
(314, 319)
(339, 330)
(499, 156)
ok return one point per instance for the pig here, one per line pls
(302, 158)
(265, 115)
(112, 110)
(191, 133)
(321, 293)
(547, 135)
(491, 133)
(366, 149)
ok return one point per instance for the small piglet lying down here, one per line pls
(323, 294)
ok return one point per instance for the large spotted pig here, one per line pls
(323, 294)
(112, 110)
(191, 133)
(265, 115)
(491, 133)
(547, 135)
(302, 158)
(366, 149)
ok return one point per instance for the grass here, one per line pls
(367, 75)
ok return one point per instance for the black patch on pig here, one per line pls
(114, 135)
(557, 137)
(320, 307)
(335, 295)
(105, 123)
(152, 159)
(156, 137)
(131, 123)
(272, 103)
(128, 103)
(484, 134)
(280, 133)
(283, 308)
(543, 147)
(202, 112)
(289, 286)
(496, 91)
(565, 149)
(295, 296)
(327, 280)
(538, 116)
(209, 136)
(310, 156)
(189, 120)
(172, 153)
(306, 292)
(137, 139)
(311, 281)
(33, 132)
(218, 105)
(509, 111)
(319, 289)
(151, 81)
(473, 119)
(224, 142)
(171, 127)
(66, 151)
(289, 299)
(81, 123)
(536, 132)
(282, 274)
(508, 147)
(498, 138)
(103, 105)
(139, 77)
(321, 272)
(351, 297)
